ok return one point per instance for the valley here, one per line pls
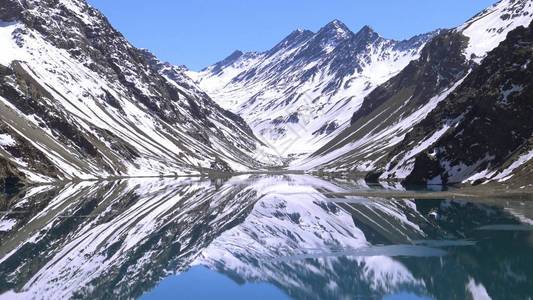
(87, 105)
(336, 164)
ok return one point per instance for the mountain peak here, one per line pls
(367, 34)
(235, 55)
(232, 58)
(294, 38)
(337, 27)
(367, 30)
(333, 34)
(337, 24)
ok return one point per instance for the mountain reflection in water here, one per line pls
(284, 233)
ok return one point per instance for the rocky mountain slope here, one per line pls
(78, 101)
(481, 131)
(384, 135)
(301, 93)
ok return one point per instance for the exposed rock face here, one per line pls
(302, 92)
(488, 130)
(87, 104)
(10, 10)
(440, 62)
(408, 114)
(9, 175)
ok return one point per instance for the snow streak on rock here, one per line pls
(301, 93)
(386, 136)
(76, 97)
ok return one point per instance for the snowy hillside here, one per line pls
(78, 101)
(483, 130)
(301, 93)
(393, 110)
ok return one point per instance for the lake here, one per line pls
(259, 237)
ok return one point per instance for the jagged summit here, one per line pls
(332, 34)
(366, 35)
(234, 56)
(292, 39)
(310, 81)
(367, 30)
(336, 25)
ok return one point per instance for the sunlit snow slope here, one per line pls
(447, 82)
(301, 93)
(78, 101)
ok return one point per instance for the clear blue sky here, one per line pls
(198, 33)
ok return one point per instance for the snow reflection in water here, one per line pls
(122, 239)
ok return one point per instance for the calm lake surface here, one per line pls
(259, 237)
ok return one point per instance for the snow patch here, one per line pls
(7, 225)
(487, 30)
(507, 173)
(478, 291)
(7, 140)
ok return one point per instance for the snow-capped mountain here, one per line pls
(78, 101)
(301, 93)
(384, 136)
(483, 131)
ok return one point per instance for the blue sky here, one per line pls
(198, 33)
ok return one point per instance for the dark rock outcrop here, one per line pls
(489, 117)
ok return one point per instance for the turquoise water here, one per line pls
(204, 284)
(259, 237)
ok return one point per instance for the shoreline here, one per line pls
(485, 193)
(489, 191)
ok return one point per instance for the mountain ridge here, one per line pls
(392, 111)
(78, 101)
(277, 91)
(89, 105)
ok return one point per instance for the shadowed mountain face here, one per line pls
(482, 130)
(78, 101)
(302, 92)
(433, 122)
(120, 239)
